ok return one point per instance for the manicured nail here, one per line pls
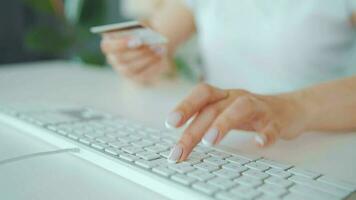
(134, 43)
(173, 119)
(159, 50)
(260, 139)
(175, 154)
(210, 137)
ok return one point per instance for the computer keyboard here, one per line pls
(139, 154)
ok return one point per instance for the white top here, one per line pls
(275, 45)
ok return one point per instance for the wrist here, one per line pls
(305, 99)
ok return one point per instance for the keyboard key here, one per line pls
(278, 173)
(226, 173)
(161, 162)
(201, 175)
(226, 196)
(181, 167)
(196, 157)
(86, 140)
(219, 154)
(248, 181)
(272, 190)
(279, 181)
(255, 174)
(257, 166)
(164, 171)
(199, 155)
(215, 161)
(183, 179)
(168, 140)
(238, 160)
(145, 163)
(304, 172)
(93, 135)
(235, 167)
(154, 136)
(128, 139)
(267, 197)
(193, 160)
(147, 155)
(64, 131)
(142, 143)
(245, 192)
(202, 149)
(274, 164)
(151, 131)
(118, 144)
(295, 196)
(205, 188)
(53, 128)
(113, 151)
(99, 146)
(249, 157)
(132, 149)
(206, 167)
(222, 183)
(74, 136)
(165, 154)
(156, 149)
(128, 157)
(104, 139)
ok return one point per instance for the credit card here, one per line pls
(132, 29)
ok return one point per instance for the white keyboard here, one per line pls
(139, 154)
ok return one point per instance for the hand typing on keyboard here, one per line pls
(218, 111)
(140, 153)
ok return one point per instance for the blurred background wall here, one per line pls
(52, 29)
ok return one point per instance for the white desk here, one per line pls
(67, 177)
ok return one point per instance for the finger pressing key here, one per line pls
(237, 114)
(201, 96)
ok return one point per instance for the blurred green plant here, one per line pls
(66, 33)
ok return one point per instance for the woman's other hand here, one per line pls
(135, 60)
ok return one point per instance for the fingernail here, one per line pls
(210, 137)
(260, 139)
(173, 119)
(175, 154)
(159, 50)
(134, 43)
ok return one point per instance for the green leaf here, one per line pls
(48, 40)
(41, 5)
(93, 13)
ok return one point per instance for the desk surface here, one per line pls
(67, 177)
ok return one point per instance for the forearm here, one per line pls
(330, 106)
(175, 21)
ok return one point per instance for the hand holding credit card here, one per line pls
(135, 50)
(133, 29)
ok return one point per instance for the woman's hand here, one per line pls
(218, 111)
(137, 61)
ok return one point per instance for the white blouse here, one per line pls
(275, 45)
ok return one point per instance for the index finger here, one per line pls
(201, 96)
